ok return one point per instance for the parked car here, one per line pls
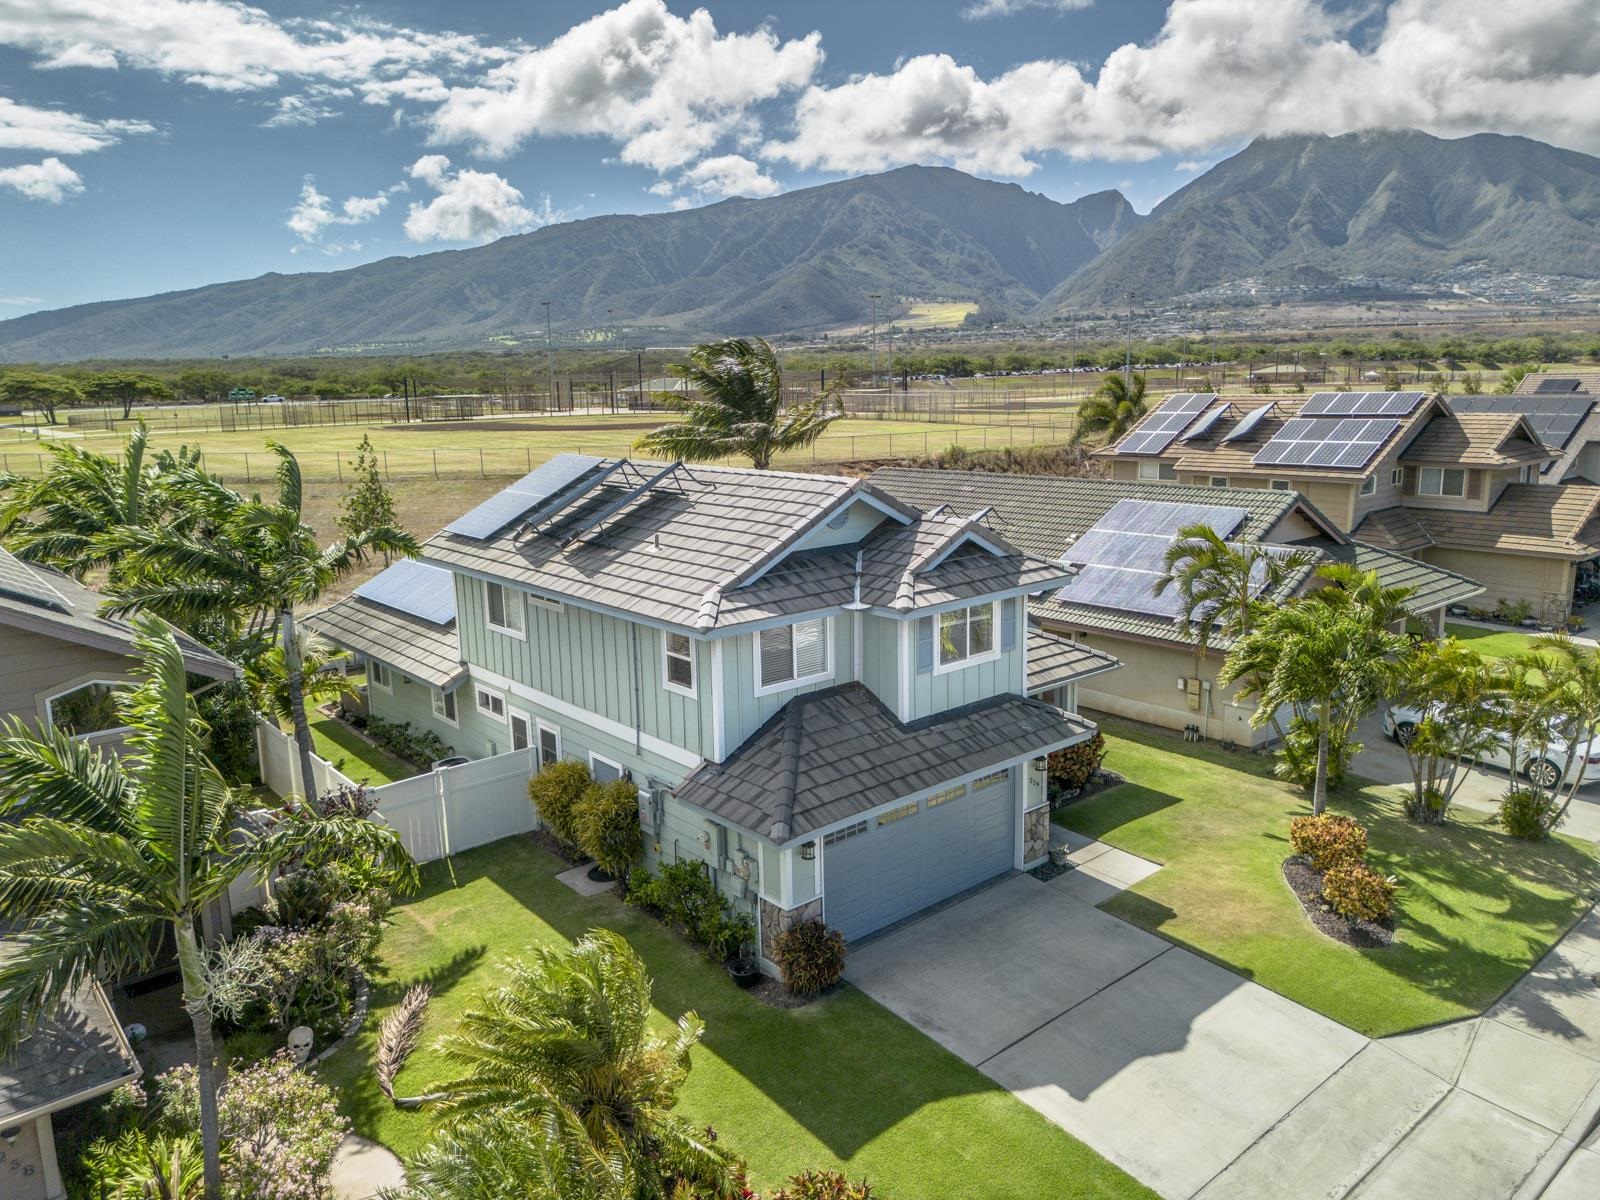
(272, 399)
(1543, 767)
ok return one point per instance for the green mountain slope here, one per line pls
(918, 232)
(1394, 204)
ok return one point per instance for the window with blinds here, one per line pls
(793, 654)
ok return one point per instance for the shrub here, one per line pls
(555, 792)
(1072, 767)
(822, 1185)
(1528, 813)
(810, 956)
(1328, 841)
(1514, 612)
(417, 746)
(1358, 893)
(1297, 759)
(1427, 807)
(230, 720)
(606, 820)
(683, 894)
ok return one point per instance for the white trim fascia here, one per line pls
(870, 813)
(968, 535)
(1022, 640)
(582, 716)
(907, 667)
(853, 497)
(719, 705)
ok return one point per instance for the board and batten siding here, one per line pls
(599, 663)
(748, 712)
(934, 691)
(34, 667)
(880, 662)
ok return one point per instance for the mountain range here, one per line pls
(1320, 210)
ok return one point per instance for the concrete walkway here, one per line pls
(363, 1168)
(1205, 1085)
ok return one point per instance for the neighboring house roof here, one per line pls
(73, 1055)
(1552, 519)
(414, 631)
(1054, 660)
(1478, 439)
(1431, 587)
(1394, 529)
(707, 548)
(46, 601)
(1557, 380)
(830, 755)
(1566, 421)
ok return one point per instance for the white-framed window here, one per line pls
(379, 675)
(946, 795)
(968, 635)
(1525, 475)
(1154, 469)
(444, 706)
(549, 744)
(791, 655)
(1281, 485)
(991, 779)
(604, 769)
(677, 663)
(505, 609)
(1442, 481)
(521, 725)
(1397, 476)
(490, 703)
(87, 709)
(1219, 481)
(1369, 486)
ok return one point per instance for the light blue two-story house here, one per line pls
(829, 697)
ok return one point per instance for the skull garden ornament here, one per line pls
(300, 1044)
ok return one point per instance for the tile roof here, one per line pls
(77, 1052)
(1588, 379)
(1478, 439)
(1431, 587)
(47, 601)
(428, 652)
(1394, 528)
(1528, 518)
(830, 755)
(1054, 660)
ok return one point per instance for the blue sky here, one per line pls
(148, 145)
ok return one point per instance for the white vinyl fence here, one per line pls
(436, 814)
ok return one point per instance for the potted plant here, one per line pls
(743, 968)
(1059, 853)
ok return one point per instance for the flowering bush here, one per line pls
(1328, 841)
(1358, 893)
(810, 955)
(822, 1185)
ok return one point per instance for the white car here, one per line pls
(1543, 766)
(272, 399)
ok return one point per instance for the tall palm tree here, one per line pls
(254, 568)
(735, 406)
(565, 1047)
(1223, 586)
(1571, 686)
(1116, 407)
(268, 677)
(100, 856)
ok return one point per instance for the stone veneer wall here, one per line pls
(775, 920)
(1035, 834)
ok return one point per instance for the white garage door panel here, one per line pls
(891, 871)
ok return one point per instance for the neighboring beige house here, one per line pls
(62, 661)
(1112, 609)
(1482, 486)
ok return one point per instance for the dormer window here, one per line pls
(967, 635)
(791, 655)
(1442, 481)
(677, 668)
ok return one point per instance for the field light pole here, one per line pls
(549, 357)
(874, 297)
(1127, 358)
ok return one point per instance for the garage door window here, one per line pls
(845, 834)
(944, 797)
(898, 814)
(991, 779)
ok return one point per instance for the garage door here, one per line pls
(887, 867)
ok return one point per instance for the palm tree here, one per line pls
(1569, 677)
(100, 856)
(261, 560)
(1223, 586)
(565, 1047)
(1115, 408)
(496, 1157)
(735, 406)
(268, 677)
(1453, 690)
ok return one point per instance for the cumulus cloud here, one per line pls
(1219, 71)
(667, 88)
(471, 206)
(52, 131)
(51, 180)
(730, 175)
(980, 9)
(315, 214)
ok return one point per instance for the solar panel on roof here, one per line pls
(1554, 418)
(1203, 426)
(1121, 556)
(22, 582)
(1362, 404)
(1247, 426)
(1156, 432)
(420, 589)
(1347, 443)
(1547, 387)
(537, 486)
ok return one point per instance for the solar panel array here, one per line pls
(1554, 418)
(413, 587)
(1247, 426)
(1347, 443)
(22, 582)
(1556, 386)
(1362, 404)
(1122, 555)
(537, 486)
(1204, 425)
(1158, 430)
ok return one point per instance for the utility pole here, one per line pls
(549, 359)
(1127, 358)
(874, 297)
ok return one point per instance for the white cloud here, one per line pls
(471, 206)
(1220, 71)
(52, 131)
(51, 180)
(730, 175)
(980, 9)
(667, 88)
(22, 301)
(1190, 165)
(300, 109)
(315, 213)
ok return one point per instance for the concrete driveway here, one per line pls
(1165, 1063)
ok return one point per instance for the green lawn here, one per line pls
(1476, 908)
(1491, 643)
(362, 761)
(840, 1082)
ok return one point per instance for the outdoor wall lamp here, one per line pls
(808, 851)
